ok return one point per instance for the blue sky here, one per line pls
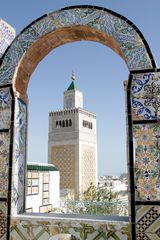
(100, 75)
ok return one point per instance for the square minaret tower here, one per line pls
(72, 143)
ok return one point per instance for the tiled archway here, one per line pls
(143, 101)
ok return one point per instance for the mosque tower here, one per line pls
(72, 143)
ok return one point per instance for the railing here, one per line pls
(94, 208)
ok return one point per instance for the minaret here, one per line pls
(72, 143)
(72, 97)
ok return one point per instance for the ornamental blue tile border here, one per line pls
(121, 31)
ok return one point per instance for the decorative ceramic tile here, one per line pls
(3, 220)
(18, 194)
(7, 34)
(140, 111)
(148, 222)
(147, 165)
(43, 229)
(116, 236)
(5, 108)
(4, 151)
(26, 232)
(44, 26)
(4, 161)
(146, 135)
(142, 82)
(131, 44)
(20, 137)
(17, 202)
(117, 28)
(19, 157)
(146, 96)
(3, 184)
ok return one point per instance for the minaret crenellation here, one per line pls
(72, 144)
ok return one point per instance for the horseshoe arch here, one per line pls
(32, 45)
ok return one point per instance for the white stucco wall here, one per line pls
(54, 189)
(35, 201)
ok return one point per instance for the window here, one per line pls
(60, 123)
(87, 124)
(57, 125)
(63, 123)
(32, 183)
(45, 194)
(70, 122)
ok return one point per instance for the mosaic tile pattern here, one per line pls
(145, 93)
(4, 162)
(19, 157)
(147, 161)
(7, 34)
(135, 52)
(39, 230)
(115, 27)
(148, 223)
(5, 108)
(3, 220)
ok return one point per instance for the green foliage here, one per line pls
(96, 201)
(98, 194)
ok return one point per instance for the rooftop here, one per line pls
(41, 166)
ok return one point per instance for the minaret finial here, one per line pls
(73, 76)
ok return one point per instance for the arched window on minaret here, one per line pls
(57, 125)
(66, 123)
(70, 122)
(63, 123)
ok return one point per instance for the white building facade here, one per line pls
(42, 188)
(7, 34)
(73, 143)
